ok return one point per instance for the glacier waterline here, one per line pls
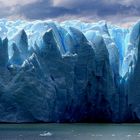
(69, 72)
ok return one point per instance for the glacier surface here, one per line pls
(69, 72)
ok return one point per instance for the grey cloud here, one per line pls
(4, 12)
(62, 9)
(44, 9)
(80, 8)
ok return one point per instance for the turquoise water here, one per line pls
(69, 131)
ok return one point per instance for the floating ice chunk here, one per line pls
(46, 134)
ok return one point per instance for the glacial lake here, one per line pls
(69, 131)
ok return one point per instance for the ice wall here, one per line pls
(69, 72)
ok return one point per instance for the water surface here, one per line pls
(69, 131)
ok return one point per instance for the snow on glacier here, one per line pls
(69, 72)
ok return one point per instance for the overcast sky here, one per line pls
(116, 11)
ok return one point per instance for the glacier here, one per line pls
(69, 71)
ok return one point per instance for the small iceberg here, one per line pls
(45, 134)
(128, 135)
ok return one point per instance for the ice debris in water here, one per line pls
(45, 134)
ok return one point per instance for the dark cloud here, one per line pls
(79, 8)
(62, 9)
(45, 9)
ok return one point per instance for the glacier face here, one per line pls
(69, 72)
